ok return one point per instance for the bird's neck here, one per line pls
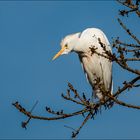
(75, 41)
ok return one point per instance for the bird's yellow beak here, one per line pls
(59, 53)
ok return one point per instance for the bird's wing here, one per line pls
(80, 58)
(106, 69)
(95, 64)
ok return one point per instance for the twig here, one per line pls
(131, 6)
(132, 59)
(126, 86)
(24, 124)
(21, 109)
(122, 103)
(71, 99)
(74, 134)
(117, 41)
(69, 127)
(75, 92)
(128, 5)
(128, 31)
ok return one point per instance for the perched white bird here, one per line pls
(94, 66)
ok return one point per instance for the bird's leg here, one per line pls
(110, 103)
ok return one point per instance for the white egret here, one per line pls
(93, 65)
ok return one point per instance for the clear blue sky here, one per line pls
(30, 34)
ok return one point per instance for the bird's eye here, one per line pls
(66, 45)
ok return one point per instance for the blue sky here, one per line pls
(30, 35)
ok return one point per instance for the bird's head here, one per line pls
(67, 45)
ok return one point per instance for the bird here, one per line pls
(94, 65)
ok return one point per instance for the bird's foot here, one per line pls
(109, 104)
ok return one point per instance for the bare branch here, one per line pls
(128, 68)
(122, 103)
(22, 110)
(117, 41)
(126, 86)
(89, 107)
(74, 134)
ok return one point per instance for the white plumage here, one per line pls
(94, 66)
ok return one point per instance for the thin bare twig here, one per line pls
(74, 134)
(71, 99)
(134, 8)
(128, 31)
(126, 86)
(117, 41)
(132, 59)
